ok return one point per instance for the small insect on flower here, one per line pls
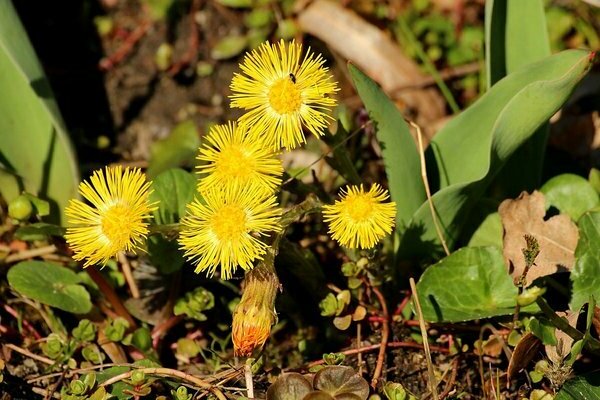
(233, 158)
(223, 228)
(283, 93)
(115, 219)
(360, 219)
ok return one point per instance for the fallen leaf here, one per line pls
(557, 237)
(524, 352)
(373, 52)
(557, 353)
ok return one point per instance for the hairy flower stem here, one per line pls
(255, 314)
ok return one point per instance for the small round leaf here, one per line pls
(338, 380)
(291, 386)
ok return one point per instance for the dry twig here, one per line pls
(385, 334)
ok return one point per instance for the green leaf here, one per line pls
(39, 231)
(570, 194)
(289, 386)
(35, 150)
(176, 150)
(228, 47)
(586, 272)
(400, 155)
(473, 147)
(173, 190)
(50, 284)
(581, 387)
(338, 380)
(523, 40)
(469, 284)
(489, 232)
(543, 330)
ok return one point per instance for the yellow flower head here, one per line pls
(254, 315)
(360, 219)
(115, 218)
(233, 158)
(283, 93)
(223, 229)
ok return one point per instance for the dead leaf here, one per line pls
(524, 352)
(557, 236)
(557, 353)
(372, 51)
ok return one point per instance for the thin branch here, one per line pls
(30, 253)
(169, 373)
(427, 189)
(248, 379)
(29, 354)
(431, 373)
(385, 334)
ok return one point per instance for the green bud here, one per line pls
(164, 56)
(85, 331)
(77, 387)
(204, 69)
(395, 391)
(334, 358)
(115, 331)
(529, 296)
(93, 354)
(142, 339)
(328, 305)
(20, 208)
(137, 377)
(181, 393)
(90, 380)
(54, 346)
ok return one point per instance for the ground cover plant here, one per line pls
(279, 200)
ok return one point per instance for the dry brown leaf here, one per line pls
(557, 353)
(372, 51)
(557, 236)
(524, 352)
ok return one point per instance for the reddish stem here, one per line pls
(26, 323)
(126, 47)
(107, 290)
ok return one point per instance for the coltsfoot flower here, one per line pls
(283, 93)
(223, 228)
(115, 219)
(255, 313)
(360, 219)
(233, 158)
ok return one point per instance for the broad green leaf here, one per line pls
(586, 272)
(489, 233)
(400, 155)
(172, 190)
(35, 150)
(474, 146)
(570, 194)
(543, 330)
(581, 387)
(523, 40)
(50, 284)
(469, 284)
(176, 150)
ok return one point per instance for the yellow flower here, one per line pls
(255, 313)
(283, 93)
(223, 228)
(233, 158)
(360, 219)
(115, 220)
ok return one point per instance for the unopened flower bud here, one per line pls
(255, 314)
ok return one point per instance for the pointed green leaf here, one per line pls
(400, 155)
(474, 146)
(35, 151)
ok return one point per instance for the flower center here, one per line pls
(284, 96)
(117, 223)
(234, 162)
(229, 223)
(359, 207)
